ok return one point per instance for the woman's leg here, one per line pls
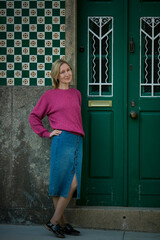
(62, 220)
(62, 203)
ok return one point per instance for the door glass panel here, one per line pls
(100, 56)
(150, 56)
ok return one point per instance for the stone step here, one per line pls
(115, 218)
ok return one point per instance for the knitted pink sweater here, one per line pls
(63, 108)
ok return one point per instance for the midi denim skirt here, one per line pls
(66, 161)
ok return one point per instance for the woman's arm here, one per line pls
(36, 116)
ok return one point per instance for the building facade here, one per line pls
(114, 49)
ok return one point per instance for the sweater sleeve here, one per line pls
(80, 98)
(36, 116)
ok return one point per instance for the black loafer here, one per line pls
(56, 229)
(68, 229)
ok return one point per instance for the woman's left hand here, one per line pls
(55, 133)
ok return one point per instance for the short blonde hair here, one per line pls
(55, 71)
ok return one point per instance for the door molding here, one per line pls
(125, 95)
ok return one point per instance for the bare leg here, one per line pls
(62, 220)
(62, 203)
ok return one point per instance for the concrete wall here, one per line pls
(24, 156)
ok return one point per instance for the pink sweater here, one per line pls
(63, 108)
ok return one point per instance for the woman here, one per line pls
(62, 105)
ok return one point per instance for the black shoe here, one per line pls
(56, 229)
(68, 229)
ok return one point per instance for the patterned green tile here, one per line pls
(40, 43)
(48, 82)
(48, 20)
(48, 4)
(48, 66)
(40, 59)
(17, 20)
(10, 58)
(62, 4)
(33, 4)
(56, 12)
(3, 4)
(33, 81)
(55, 58)
(32, 37)
(10, 28)
(40, 74)
(17, 81)
(25, 28)
(2, 52)
(3, 20)
(10, 74)
(18, 66)
(3, 81)
(18, 51)
(25, 12)
(48, 51)
(25, 74)
(18, 35)
(10, 12)
(56, 43)
(17, 4)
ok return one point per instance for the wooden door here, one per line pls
(119, 78)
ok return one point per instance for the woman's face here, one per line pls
(65, 76)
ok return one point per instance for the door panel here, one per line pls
(149, 145)
(98, 147)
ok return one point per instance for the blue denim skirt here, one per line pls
(66, 161)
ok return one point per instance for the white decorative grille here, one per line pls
(150, 57)
(100, 56)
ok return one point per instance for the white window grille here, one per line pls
(100, 56)
(150, 57)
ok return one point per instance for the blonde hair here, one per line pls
(55, 71)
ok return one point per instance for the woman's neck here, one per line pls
(64, 86)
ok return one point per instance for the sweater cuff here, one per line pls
(46, 134)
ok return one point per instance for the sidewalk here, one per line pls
(23, 232)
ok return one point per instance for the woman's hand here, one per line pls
(55, 133)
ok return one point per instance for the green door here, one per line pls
(144, 90)
(118, 109)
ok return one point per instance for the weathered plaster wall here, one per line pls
(24, 158)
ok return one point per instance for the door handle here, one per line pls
(133, 114)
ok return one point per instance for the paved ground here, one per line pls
(21, 232)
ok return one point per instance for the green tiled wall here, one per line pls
(32, 37)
